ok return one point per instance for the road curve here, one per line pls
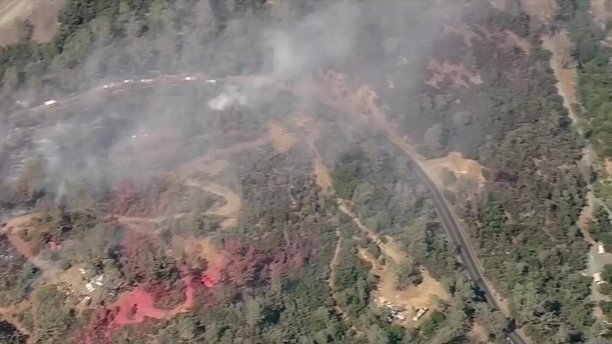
(444, 210)
(442, 207)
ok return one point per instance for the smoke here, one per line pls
(362, 38)
(230, 96)
(323, 37)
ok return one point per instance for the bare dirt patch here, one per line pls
(41, 13)
(478, 333)
(585, 217)
(19, 223)
(322, 176)
(544, 10)
(602, 11)
(282, 140)
(429, 293)
(563, 66)
(462, 168)
(608, 164)
(458, 74)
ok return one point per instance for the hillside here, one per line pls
(194, 171)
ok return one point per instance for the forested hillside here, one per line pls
(195, 184)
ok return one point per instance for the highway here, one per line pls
(442, 207)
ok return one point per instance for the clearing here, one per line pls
(462, 168)
(427, 294)
(41, 13)
(282, 140)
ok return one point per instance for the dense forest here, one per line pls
(150, 216)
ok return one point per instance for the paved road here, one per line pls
(451, 225)
(442, 207)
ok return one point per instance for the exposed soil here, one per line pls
(322, 175)
(602, 11)
(585, 217)
(25, 249)
(282, 140)
(321, 172)
(544, 10)
(457, 73)
(41, 13)
(11, 313)
(16, 224)
(428, 293)
(562, 64)
(478, 333)
(462, 168)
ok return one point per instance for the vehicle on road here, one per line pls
(50, 102)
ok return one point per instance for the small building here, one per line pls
(598, 279)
